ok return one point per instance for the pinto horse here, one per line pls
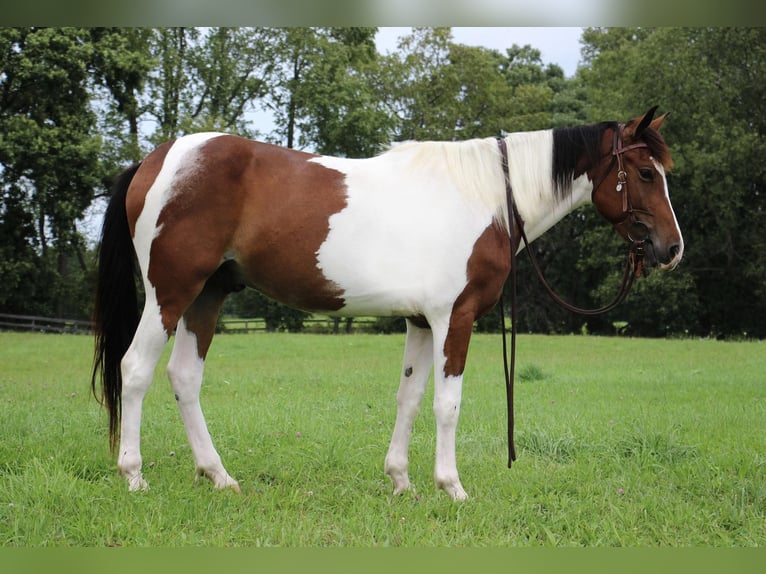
(421, 231)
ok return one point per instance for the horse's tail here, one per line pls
(115, 314)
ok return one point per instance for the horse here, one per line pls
(420, 231)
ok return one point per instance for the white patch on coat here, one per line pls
(401, 244)
(474, 166)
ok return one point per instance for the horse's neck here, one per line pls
(536, 226)
(531, 167)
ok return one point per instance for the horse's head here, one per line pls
(631, 191)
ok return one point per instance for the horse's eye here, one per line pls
(646, 174)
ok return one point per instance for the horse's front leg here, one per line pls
(418, 358)
(450, 351)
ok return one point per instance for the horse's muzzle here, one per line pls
(665, 259)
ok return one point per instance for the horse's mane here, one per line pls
(568, 145)
(473, 166)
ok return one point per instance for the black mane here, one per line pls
(569, 144)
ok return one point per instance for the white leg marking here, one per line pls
(185, 371)
(447, 398)
(418, 358)
(138, 366)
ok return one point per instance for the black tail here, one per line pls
(115, 314)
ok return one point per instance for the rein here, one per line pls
(633, 266)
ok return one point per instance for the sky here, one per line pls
(557, 45)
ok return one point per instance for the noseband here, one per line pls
(637, 234)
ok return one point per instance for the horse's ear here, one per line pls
(635, 126)
(657, 122)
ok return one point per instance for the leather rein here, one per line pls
(637, 234)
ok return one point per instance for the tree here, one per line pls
(420, 86)
(49, 160)
(122, 62)
(483, 99)
(227, 71)
(532, 93)
(169, 90)
(441, 90)
(320, 91)
(342, 113)
(76, 105)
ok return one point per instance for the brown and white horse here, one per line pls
(420, 231)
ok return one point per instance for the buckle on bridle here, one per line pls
(622, 178)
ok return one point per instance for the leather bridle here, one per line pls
(628, 211)
(637, 234)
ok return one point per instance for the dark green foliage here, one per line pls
(711, 80)
(48, 167)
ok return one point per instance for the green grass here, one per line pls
(621, 442)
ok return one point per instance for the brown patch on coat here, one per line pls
(266, 207)
(487, 269)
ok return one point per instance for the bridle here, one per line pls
(637, 234)
(628, 211)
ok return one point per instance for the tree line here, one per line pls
(77, 105)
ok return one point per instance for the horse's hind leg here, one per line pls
(185, 369)
(137, 367)
(418, 357)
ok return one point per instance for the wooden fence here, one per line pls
(43, 324)
(313, 324)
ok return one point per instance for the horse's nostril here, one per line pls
(674, 251)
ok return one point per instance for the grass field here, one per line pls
(622, 442)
